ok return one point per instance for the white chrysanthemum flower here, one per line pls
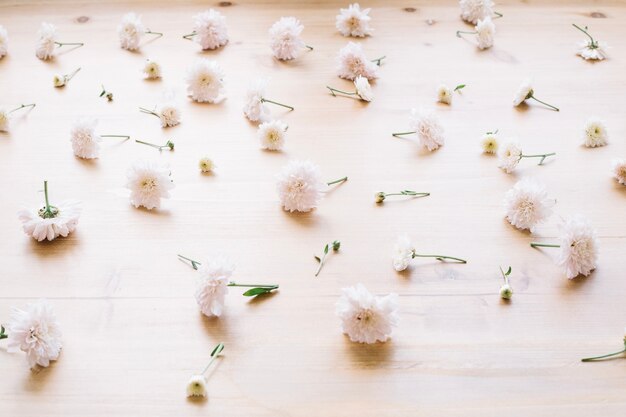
(579, 247)
(367, 318)
(444, 94)
(593, 51)
(428, 129)
(402, 253)
(509, 157)
(619, 170)
(212, 288)
(205, 81)
(524, 92)
(4, 120)
(255, 109)
(196, 387)
(85, 141)
(169, 115)
(149, 182)
(210, 29)
(4, 41)
(527, 204)
(352, 62)
(353, 21)
(285, 38)
(272, 135)
(595, 133)
(206, 164)
(485, 29)
(300, 186)
(490, 143)
(40, 226)
(46, 44)
(363, 88)
(473, 10)
(152, 70)
(36, 332)
(130, 31)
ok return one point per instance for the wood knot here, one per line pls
(224, 3)
(82, 19)
(598, 15)
(410, 9)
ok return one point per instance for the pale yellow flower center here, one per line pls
(149, 184)
(365, 315)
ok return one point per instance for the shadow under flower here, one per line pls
(366, 356)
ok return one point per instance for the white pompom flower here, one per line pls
(255, 108)
(196, 386)
(619, 170)
(4, 41)
(5, 116)
(402, 253)
(595, 133)
(213, 283)
(591, 49)
(152, 70)
(429, 131)
(352, 62)
(210, 30)
(85, 141)
(526, 92)
(206, 164)
(367, 318)
(444, 94)
(286, 38)
(205, 81)
(362, 90)
(353, 21)
(300, 186)
(130, 31)
(489, 142)
(485, 31)
(36, 332)
(168, 114)
(272, 135)
(511, 154)
(47, 42)
(527, 204)
(149, 182)
(473, 10)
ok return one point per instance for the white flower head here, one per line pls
(196, 387)
(272, 135)
(579, 247)
(527, 204)
(85, 141)
(619, 170)
(403, 251)
(285, 38)
(130, 31)
(4, 120)
(205, 81)
(169, 115)
(210, 29)
(473, 10)
(524, 92)
(509, 157)
(4, 41)
(149, 182)
(46, 44)
(506, 292)
(36, 332)
(485, 30)
(300, 186)
(490, 143)
(353, 21)
(352, 62)
(444, 94)
(206, 164)
(367, 318)
(592, 50)
(428, 129)
(255, 109)
(595, 133)
(212, 287)
(152, 70)
(363, 88)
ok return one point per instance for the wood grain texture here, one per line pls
(132, 331)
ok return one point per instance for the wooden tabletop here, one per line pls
(133, 333)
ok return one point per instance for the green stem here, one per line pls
(542, 156)
(407, 192)
(337, 181)
(3, 336)
(458, 33)
(498, 15)
(506, 278)
(402, 134)
(149, 32)
(141, 109)
(194, 264)
(333, 90)
(189, 36)
(115, 136)
(603, 356)
(544, 103)
(168, 145)
(70, 76)
(216, 352)
(22, 106)
(60, 44)
(440, 257)
(543, 245)
(264, 100)
(272, 286)
(377, 60)
(309, 47)
(319, 268)
(593, 42)
(48, 212)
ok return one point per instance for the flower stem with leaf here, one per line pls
(168, 145)
(337, 181)
(380, 196)
(48, 211)
(594, 43)
(107, 94)
(335, 245)
(438, 257)
(608, 355)
(378, 60)
(543, 156)
(506, 292)
(264, 100)
(22, 106)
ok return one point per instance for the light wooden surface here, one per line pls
(132, 331)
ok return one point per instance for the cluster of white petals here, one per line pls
(206, 164)
(300, 186)
(524, 92)
(485, 30)
(353, 21)
(473, 10)
(286, 38)
(428, 129)
(509, 157)
(130, 31)
(352, 62)
(490, 143)
(152, 70)
(444, 94)
(4, 120)
(527, 204)
(619, 170)
(255, 109)
(403, 251)
(149, 182)
(36, 332)
(205, 81)
(367, 318)
(196, 387)
(46, 44)
(588, 50)
(272, 135)
(62, 224)
(363, 88)
(212, 287)
(169, 115)
(4, 41)
(579, 247)
(595, 133)
(85, 141)
(210, 29)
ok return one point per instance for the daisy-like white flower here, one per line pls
(526, 92)
(484, 31)
(367, 318)
(168, 114)
(255, 108)
(428, 129)
(490, 142)
(527, 204)
(272, 135)
(196, 386)
(5, 116)
(50, 222)
(353, 21)
(590, 48)
(62, 80)
(595, 133)
(473, 10)
(286, 38)
(619, 170)
(85, 141)
(206, 164)
(444, 94)
(352, 62)
(362, 89)
(152, 70)
(579, 247)
(511, 154)
(149, 182)
(300, 187)
(404, 251)
(131, 30)
(210, 30)
(506, 292)
(47, 42)
(205, 81)
(4, 41)
(36, 332)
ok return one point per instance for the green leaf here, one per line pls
(336, 245)
(508, 272)
(218, 349)
(459, 87)
(317, 258)
(102, 93)
(258, 291)
(326, 249)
